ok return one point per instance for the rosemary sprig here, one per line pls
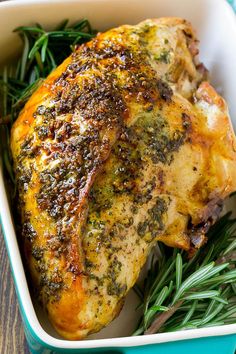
(193, 293)
(42, 52)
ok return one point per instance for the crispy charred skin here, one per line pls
(123, 145)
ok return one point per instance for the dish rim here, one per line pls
(18, 272)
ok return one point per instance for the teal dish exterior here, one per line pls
(225, 344)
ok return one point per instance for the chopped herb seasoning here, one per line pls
(116, 289)
(163, 57)
(96, 166)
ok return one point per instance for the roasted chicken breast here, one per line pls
(124, 144)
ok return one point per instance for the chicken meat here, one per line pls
(124, 144)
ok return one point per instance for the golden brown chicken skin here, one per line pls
(124, 144)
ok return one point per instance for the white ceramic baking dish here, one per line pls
(215, 23)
